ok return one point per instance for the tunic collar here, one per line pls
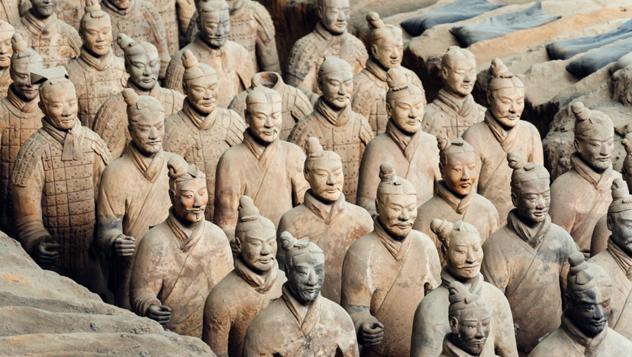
(624, 261)
(474, 285)
(185, 236)
(261, 283)
(531, 235)
(375, 69)
(335, 118)
(591, 344)
(459, 205)
(18, 103)
(69, 139)
(451, 350)
(259, 151)
(398, 249)
(39, 26)
(326, 212)
(201, 122)
(398, 136)
(506, 138)
(463, 107)
(599, 181)
(209, 52)
(154, 92)
(324, 34)
(305, 321)
(150, 167)
(98, 63)
(118, 11)
(270, 80)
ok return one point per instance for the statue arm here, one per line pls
(227, 193)
(505, 337)
(356, 292)
(185, 10)
(368, 180)
(562, 209)
(174, 74)
(494, 267)
(427, 337)
(537, 156)
(160, 38)
(146, 280)
(267, 54)
(299, 184)
(217, 324)
(110, 213)
(27, 202)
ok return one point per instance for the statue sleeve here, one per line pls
(494, 267)
(174, 74)
(428, 334)
(299, 184)
(505, 338)
(302, 106)
(357, 290)
(369, 179)
(110, 212)
(562, 210)
(267, 53)
(185, 9)
(236, 128)
(537, 156)
(227, 193)
(146, 281)
(109, 125)
(160, 38)
(217, 323)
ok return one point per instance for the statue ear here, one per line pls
(610, 221)
(373, 50)
(172, 195)
(576, 144)
(454, 324)
(237, 243)
(514, 198)
(389, 109)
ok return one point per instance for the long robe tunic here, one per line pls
(272, 176)
(432, 322)
(492, 143)
(618, 264)
(281, 329)
(5, 81)
(451, 350)
(579, 199)
(416, 158)
(449, 116)
(234, 303)
(569, 341)
(529, 265)
(473, 209)
(333, 227)
(135, 192)
(389, 278)
(10, 10)
(178, 266)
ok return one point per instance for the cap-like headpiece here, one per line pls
(211, 6)
(333, 64)
(461, 299)
(391, 184)
(193, 69)
(132, 48)
(621, 199)
(500, 77)
(24, 58)
(525, 171)
(6, 30)
(50, 77)
(250, 221)
(446, 230)
(141, 107)
(590, 122)
(263, 95)
(449, 147)
(315, 153)
(180, 171)
(399, 86)
(584, 276)
(93, 12)
(454, 53)
(295, 247)
(378, 29)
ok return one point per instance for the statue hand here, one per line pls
(371, 332)
(124, 246)
(47, 254)
(160, 313)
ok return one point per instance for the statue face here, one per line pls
(264, 121)
(471, 330)
(258, 249)
(22, 84)
(532, 201)
(397, 213)
(620, 224)
(121, 4)
(190, 199)
(459, 75)
(407, 113)
(507, 105)
(202, 93)
(590, 311)
(597, 150)
(305, 276)
(460, 172)
(144, 69)
(464, 255)
(97, 37)
(147, 134)
(214, 27)
(325, 178)
(59, 103)
(388, 51)
(43, 8)
(337, 88)
(334, 15)
(6, 51)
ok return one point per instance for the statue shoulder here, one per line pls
(261, 15)
(304, 52)
(98, 145)
(29, 155)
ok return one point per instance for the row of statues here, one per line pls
(349, 216)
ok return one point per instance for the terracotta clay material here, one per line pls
(54, 185)
(302, 322)
(411, 151)
(142, 65)
(296, 105)
(71, 12)
(97, 73)
(249, 288)
(626, 170)
(6, 50)
(454, 110)
(584, 330)
(527, 258)
(329, 38)
(175, 16)
(433, 318)
(134, 192)
(581, 196)
(263, 167)
(456, 198)
(386, 273)
(10, 11)
(334, 122)
(371, 85)
(325, 216)
(211, 46)
(500, 133)
(180, 260)
(56, 41)
(202, 131)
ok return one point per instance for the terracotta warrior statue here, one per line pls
(581, 196)
(456, 198)
(249, 288)
(211, 46)
(97, 73)
(202, 131)
(626, 170)
(371, 85)
(500, 133)
(56, 41)
(6, 51)
(454, 110)
(412, 152)
(295, 105)
(20, 117)
(616, 260)
(338, 127)
(527, 258)
(302, 322)
(584, 330)
(142, 65)
(180, 260)
(10, 10)
(325, 216)
(329, 38)
(54, 184)
(134, 191)
(434, 318)
(386, 273)
(139, 20)
(263, 167)
(175, 16)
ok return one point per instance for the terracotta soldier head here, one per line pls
(505, 95)
(304, 267)
(142, 62)
(405, 102)
(594, 137)
(335, 80)
(200, 83)
(334, 15)
(43, 9)
(24, 61)
(470, 320)
(588, 296)
(457, 162)
(396, 203)
(626, 169)
(255, 238)
(323, 171)
(120, 4)
(96, 29)
(213, 22)
(458, 71)
(620, 216)
(146, 122)
(387, 44)
(6, 50)
(58, 99)
(264, 116)
(530, 191)
(462, 245)
(187, 190)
